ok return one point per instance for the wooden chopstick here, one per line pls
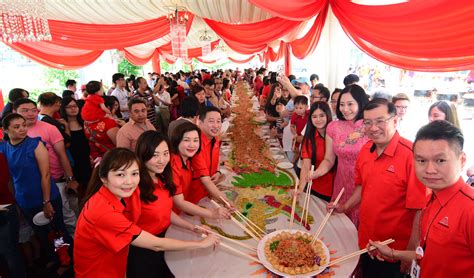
(236, 251)
(293, 205)
(358, 253)
(256, 238)
(229, 239)
(325, 220)
(307, 197)
(244, 218)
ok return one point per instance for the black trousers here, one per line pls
(143, 263)
(378, 269)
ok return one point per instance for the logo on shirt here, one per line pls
(391, 169)
(444, 222)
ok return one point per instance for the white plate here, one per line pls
(263, 259)
(278, 156)
(40, 220)
(285, 165)
(275, 150)
(225, 126)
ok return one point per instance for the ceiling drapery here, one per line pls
(433, 35)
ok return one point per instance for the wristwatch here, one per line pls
(46, 201)
(71, 178)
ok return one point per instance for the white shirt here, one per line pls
(122, 96)
(166, 97)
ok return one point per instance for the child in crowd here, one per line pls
(94, 109)
(297, 125)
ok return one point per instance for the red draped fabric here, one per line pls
(155, 62)
(138, 60)
(252, 37)
(306, 45)
(435, 35)
(55, 56)
(291, 10)
(241, 61)
(275, 56)
(204, 61)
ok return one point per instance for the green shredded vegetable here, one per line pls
(274, 245)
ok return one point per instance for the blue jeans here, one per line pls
(47, 248)
(9, 248)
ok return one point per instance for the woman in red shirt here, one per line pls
(156, 191)
(185, 143)
(107, 225)
(313, 149)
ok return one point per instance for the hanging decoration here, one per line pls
(205, 39)
(178, 18)
(23, 21)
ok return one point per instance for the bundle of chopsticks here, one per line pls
(247, 226)
(305, 211)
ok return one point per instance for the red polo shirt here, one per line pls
(299, 121)
(156, 216)
(391, 193)
(204, 164)
(182, 174)
(103, 235)
(447, 224)
(322, 185)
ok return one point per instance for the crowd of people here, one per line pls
(109, 170)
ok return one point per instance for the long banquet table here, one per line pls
(339, 234)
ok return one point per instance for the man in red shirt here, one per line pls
(205, 164)
(388, 191)
(447, 223)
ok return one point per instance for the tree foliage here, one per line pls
(128, 69)
(57, 78)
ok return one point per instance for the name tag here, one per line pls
(415, 269)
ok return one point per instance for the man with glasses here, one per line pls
(120, 93)
(389, 194)
(320, 93)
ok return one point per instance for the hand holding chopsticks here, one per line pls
(358, 253)
(252, 258)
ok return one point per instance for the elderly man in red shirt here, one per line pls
(447, 222)
(388, 191)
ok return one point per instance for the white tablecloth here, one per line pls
(339, 235)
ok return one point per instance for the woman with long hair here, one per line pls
(441, 110)
(108, 223)
(344, 139)
(313, 150)
(185, 144)
(271, 104)
(156, 195)
(79, 147)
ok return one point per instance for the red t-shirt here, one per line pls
(6, 196)
(322, 185)
(258, 84)
(205, 163)
(91, 110)
(156, 216)
(104, 231)
(391, 192)
(447, 223)
(266, 91)
(182, 174)
(299, 121)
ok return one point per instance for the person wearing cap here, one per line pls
(446, 229)
(389, 194)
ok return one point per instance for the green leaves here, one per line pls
(263, 178)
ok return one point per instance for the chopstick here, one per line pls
(358, 253)
(229, 239)
(293, 205)
(256, 238)
(305, 212)
(325, 220)
(236, 251)
(244, 218)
